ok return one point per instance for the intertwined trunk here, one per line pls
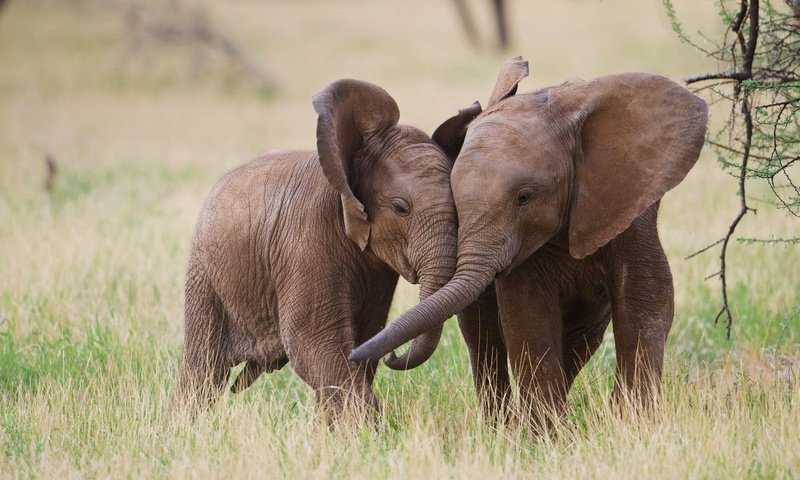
(474, 273)
(435, 269)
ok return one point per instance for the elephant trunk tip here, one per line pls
(366, 353)
(360, 355)
(406, 361)
(397, 363)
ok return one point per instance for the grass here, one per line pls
(91, 273)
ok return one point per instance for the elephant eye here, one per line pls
(523, 196)
(401, 207)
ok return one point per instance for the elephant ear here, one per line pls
(512, 72)
(639, 135)
(450, 134)
(349, 111)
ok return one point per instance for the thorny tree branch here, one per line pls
(776, 155)
(748, 11)
(766, 132)
(715, 76)
(746, 73)
(743, 208)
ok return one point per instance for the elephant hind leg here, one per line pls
(252, 371)
(200, 384)
(206, 361)
(643, 308)
(583, 333)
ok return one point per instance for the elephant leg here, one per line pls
(252, 370)
(367, 324)
(480, 327)
(584, 328)
(206, 361)
(642, 303)
(345, 387)
(318, 348)
(531, 322)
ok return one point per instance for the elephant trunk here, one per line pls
(436, 271)
(473, 275)
(424, 345)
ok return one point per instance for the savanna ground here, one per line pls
(91, 274)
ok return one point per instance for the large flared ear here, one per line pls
(349, 111)
(450, 134)
(512, 72)
(639, 135)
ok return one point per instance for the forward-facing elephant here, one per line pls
(557, 193)
(296, 254)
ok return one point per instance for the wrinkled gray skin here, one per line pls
(557, 194)
(296, 255)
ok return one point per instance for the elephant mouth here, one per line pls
(510, 268)
(408, 272)
(504, 272)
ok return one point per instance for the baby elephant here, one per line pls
(557, 193)
(296, 254)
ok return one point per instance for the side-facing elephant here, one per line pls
(557, 193)
(296, 255)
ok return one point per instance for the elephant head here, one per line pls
(394, 185)
(571, 165)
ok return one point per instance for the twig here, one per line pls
(733, 150)
(707, 277)
(704, 249)
(732, 76)
(789, 241)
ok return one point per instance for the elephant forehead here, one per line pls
(418, 161)
(532, 142)
(484, 179)
(511, 130)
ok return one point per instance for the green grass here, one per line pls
(91, 274)
(99, 407)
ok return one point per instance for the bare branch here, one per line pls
(752, 38)
(715, 274)
(733, 150)
(704, 249)
(732, 76)
(743, 209)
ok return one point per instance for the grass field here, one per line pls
(91, 274)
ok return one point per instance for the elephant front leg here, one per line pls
(480, 327)
(317, 349)
(532, 331)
